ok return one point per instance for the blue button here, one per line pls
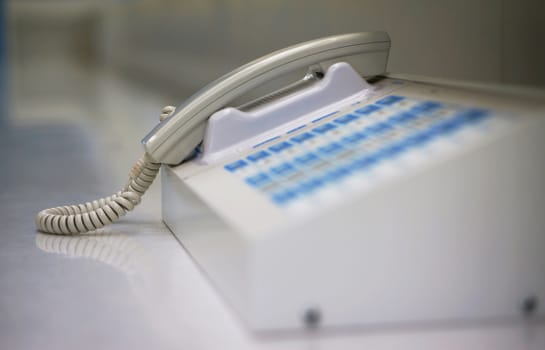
(392, 150)
(475, 115)
(302, 138)
(427, 106)
(379, 128)
(336, 174)
(420, 138)
(232, 167)
(322, 129)
(308, 186)
(346, 119)
(363, 163)
(447, 126)
(307, 159)
(280, 147)
(258, 180)
(390, 100)
(258, 156)
(283, 197)
(283, 169)
(402, 118)
(368, 109)
(354, 138)
(331, 149)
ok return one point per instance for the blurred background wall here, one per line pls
(57, 48)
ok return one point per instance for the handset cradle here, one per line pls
(231, 129)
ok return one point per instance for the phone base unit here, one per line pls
(397, 202)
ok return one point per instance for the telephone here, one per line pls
(177, 135)
(352, 196)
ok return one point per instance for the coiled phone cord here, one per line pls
(90, 216)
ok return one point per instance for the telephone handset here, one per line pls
(175, 137)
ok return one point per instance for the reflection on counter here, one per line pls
(160, 278)
(114, 249)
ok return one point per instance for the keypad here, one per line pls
(334, 147)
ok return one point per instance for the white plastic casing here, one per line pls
(458, 236)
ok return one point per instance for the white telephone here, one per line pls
(338, 200)
(175, 137)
